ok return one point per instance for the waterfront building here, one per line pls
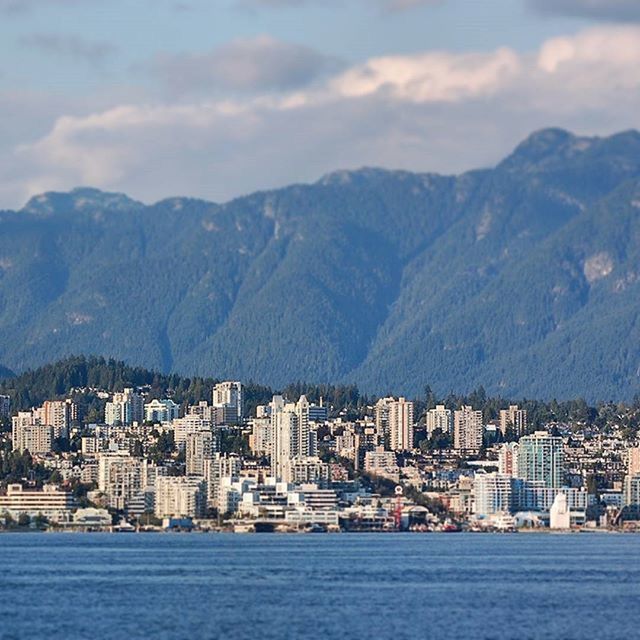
(439, 418)
(540, 459)
(51, 502)
(514, 421)
(468, 429)
(215, 469)
(91, 517)
(120, 478)
(492, 493)
(180, 497)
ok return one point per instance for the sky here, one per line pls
(218, 98)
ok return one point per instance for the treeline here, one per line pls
(60, 379)
(540, 412)
(67, 377)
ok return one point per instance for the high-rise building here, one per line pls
(182, 427)
(541, 459)
(513, 419)
(633, 461)
(492, 493)
(228, 399)
(121, 477)
(59, 414)
(309, 470)
(180, 496)
(508, 459)
(200, 446)
(290, 434)
(439, 418)
(125, 408)
(632, 477)
(215, 469)
(34, 438)
(400, 425)
(260, 438)
(382, 415)
(468, 429)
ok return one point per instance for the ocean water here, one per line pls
(192, 586)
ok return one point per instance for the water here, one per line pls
(190, 586)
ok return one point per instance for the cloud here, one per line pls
(430, 77)
(257, 64)
(73, 46)
(434, 111)
(614, 10)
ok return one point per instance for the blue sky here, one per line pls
(217, 98)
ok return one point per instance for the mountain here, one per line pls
(523, 278)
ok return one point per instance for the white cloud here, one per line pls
(430, 77)
(438, 111)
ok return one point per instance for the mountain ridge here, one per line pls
(390, 279)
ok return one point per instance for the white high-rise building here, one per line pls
(290, 434)
(492, 493)
(514, 419)
(468, 429)
(179, 496)
(228, 398)
(400, 424)
(121, 477)
(182, 427)
(261, 436)
(215, 469)
(439, 418)
(125, 408)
